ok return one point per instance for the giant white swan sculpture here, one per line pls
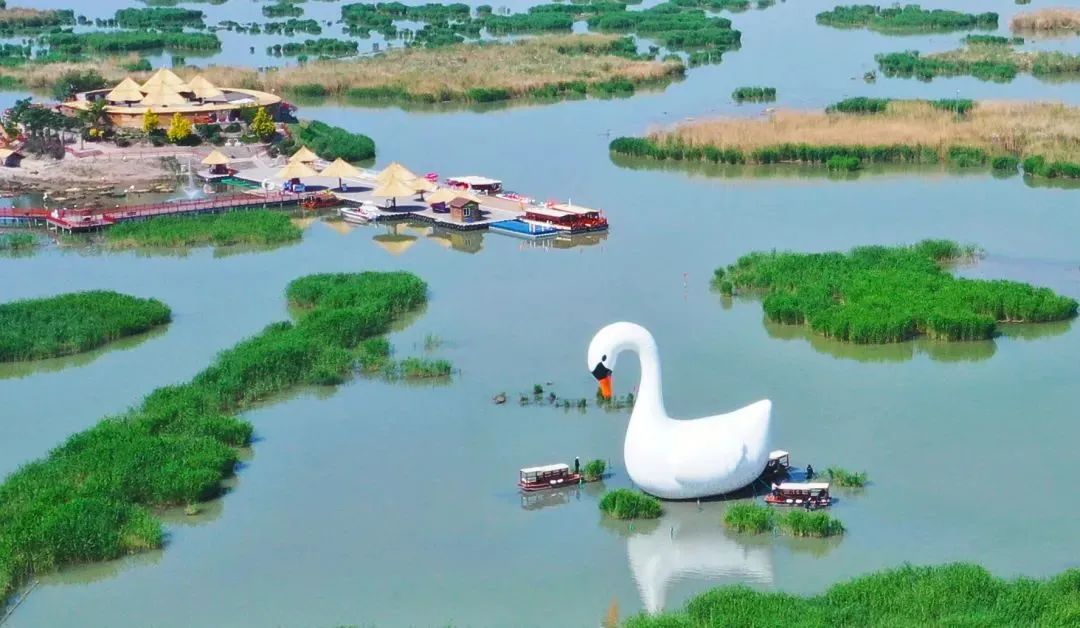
(680, 459)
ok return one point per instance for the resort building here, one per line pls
(166, 93)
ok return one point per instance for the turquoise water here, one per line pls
(395, 505)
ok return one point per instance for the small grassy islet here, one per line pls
(242, 227)
(624, 503)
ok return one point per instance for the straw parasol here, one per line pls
(163, 96)
(342, 170)
(304, 155)
(216, 158)
(393, 188)
(126, 90)
(296, 170)
(164, 77)
(204, 89)
(421, 185)
(395, 171)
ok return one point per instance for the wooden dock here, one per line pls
(75, 221)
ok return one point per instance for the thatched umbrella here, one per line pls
(342, 170)
(421, 185)
(296, 170)
(126, 91)
(393, 188)
(304, 155)
(216, 158)
(395, 171)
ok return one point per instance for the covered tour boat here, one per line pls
(566, 217)
(546, 477)
(475, 183)
(805, 494)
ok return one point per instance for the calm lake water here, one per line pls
(394, 505)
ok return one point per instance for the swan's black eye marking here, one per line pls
(603, 358)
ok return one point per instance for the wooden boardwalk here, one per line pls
(73, 221)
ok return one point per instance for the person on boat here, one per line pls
(809, 472)
(577, 464)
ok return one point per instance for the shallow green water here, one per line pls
(395, 505)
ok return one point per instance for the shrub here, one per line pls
(73, 323)
(624, 503)
(331, 142)
(75, 81)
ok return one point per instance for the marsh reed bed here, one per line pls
(957, 594)
(907, 19)
(18, 241)
(879, 294)
(1049, 20)
(243, 227)
(92, 497)
(624, 503)
(34, 329)
(1044, 137)
(988, 59)
(755, 518)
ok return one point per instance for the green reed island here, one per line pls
(1043, 137)
(958, 594)
(243, 227)
(989, 59)
(91, 498)
(754, 518)
(879, 294)
(754, 94)
(623, 503)
(34, 329)
(903, 20)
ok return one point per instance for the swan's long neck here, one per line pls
(650, 395)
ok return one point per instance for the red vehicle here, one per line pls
(319, 201)
(547, 476)
(809, 495)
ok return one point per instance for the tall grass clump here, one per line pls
(957, 594)
(91, 498)
(246, 227)
(754, 94)
(18, 241)
(594, 470)
(879, 294)
(624, 503)
(1050, 20)
(846, 479)
(905, 19)
(799, 522)
(72, 323)
(749, 517)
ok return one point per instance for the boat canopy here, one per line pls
(548, 468)
(574, 209)
(473, 180)
(804, 486)
(777, 454)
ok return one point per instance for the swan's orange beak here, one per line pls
(605, 387)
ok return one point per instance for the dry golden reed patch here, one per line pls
(518, 67)
(1052, 19)
(1024, 128)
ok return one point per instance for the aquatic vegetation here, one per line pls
(594, 470)
(418, 368)
(878, 131)
(847, 479)
(282, 8)
(1003, 163)
(24, 21)
(952, 594)
(843, 163)
(877, 294)
(905, 19)
(1051, 20)
(90, 499)
(123, 41)
(72, 323)
(624, 503)
(993, 40)
(749, 517)
(324, 47)
(754, 94)
(159, 17)
(1040, 166)
(987, 61)
(332, 142)
(798, 522)
(18, 241)
(247, 227)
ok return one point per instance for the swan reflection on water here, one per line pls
(691, 545)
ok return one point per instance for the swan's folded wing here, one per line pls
(710, 449)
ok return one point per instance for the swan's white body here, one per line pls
(682, 459)
(692, 547)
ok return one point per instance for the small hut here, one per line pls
(464, 209)
(10, 158)
(218, 162)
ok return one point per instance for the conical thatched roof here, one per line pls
(164, 77)
(163, 96)
(296, 170)
(216, 158)
(304, 155)
(393, 188)
(125, 91)
(341, 169)
(204, 89)
(395, 171)
(420, 184)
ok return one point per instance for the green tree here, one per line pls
(75, 81)
(150, 121)
(263, 125)
(180, 129)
